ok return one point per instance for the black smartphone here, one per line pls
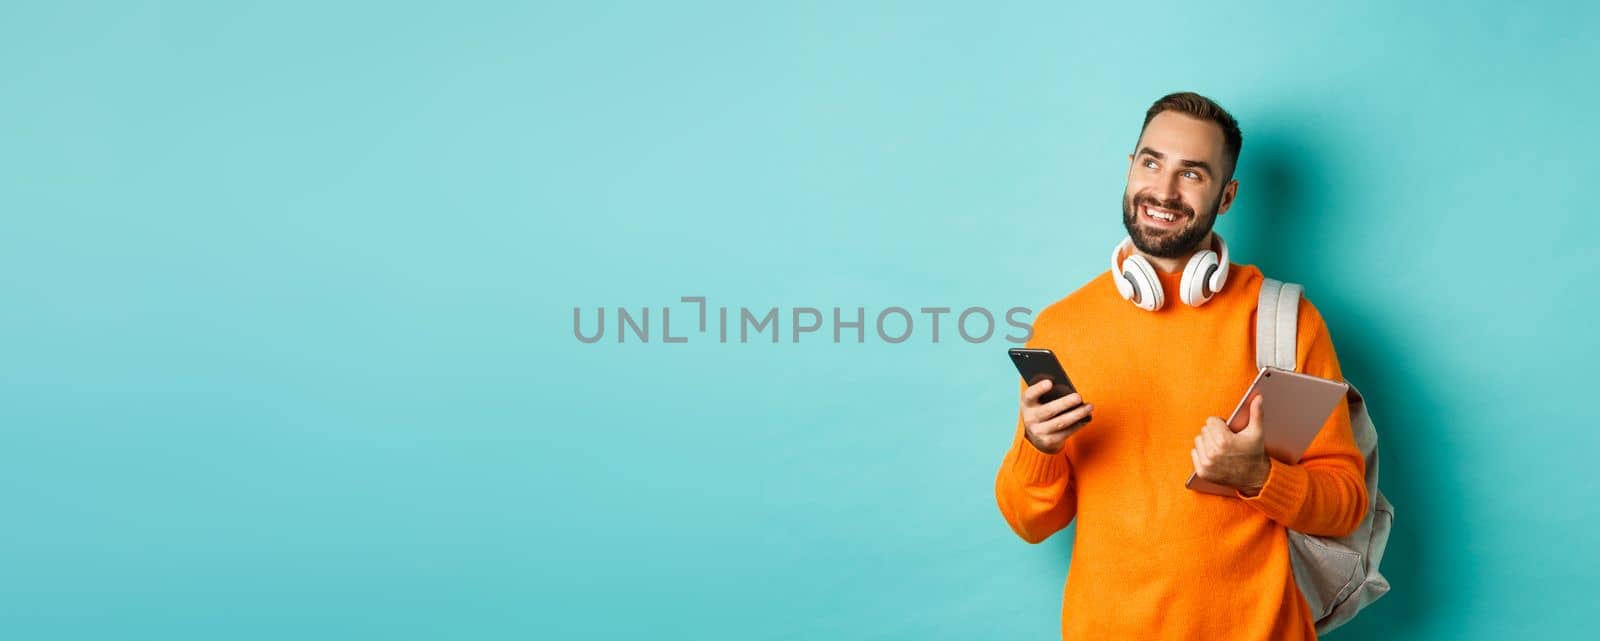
(1039, 364)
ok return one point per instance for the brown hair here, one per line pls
(1193, 104)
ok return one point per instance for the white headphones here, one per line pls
(1136, 279)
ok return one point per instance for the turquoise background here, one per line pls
(288, 291)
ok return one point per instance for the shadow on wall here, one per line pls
(1288, 209)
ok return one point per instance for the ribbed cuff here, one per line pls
(1283, 494)
(1037, 468)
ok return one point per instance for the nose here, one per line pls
(1166, 188)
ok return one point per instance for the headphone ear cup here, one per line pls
(1147, 288)
(1220, 279)
(1119, 277)
(1195, 286)
(1219, 276)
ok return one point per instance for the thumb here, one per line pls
(1254, 427)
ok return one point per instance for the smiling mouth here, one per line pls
(1163, 217)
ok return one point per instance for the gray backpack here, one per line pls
(1338, 576)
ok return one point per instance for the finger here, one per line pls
(1066, 420)
(1031, 395)
(1195, 456)
(1202, 446)
(1212, 438)
(1036, 415)
(1061, 404)
(1255, 411)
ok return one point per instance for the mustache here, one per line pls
(1174, 204)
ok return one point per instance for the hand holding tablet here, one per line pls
(1294, 408)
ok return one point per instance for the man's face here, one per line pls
(1177, 172)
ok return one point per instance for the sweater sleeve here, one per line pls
(1325, 494)
(1034, 489)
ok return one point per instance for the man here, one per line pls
(1152, 558)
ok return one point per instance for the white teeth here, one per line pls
(1160, 215)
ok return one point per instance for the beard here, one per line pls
(1167, 243)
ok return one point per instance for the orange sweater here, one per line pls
(1153, 559)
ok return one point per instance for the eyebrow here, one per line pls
(1187, 163)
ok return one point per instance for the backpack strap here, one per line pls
(1277, 318)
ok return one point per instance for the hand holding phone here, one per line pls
(1052, 410)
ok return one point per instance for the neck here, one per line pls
(1170, 265)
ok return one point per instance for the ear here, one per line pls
(1229, 192)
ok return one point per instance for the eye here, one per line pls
(1192, 174)
(1149, 164)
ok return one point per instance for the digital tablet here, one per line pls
(1294, 407)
